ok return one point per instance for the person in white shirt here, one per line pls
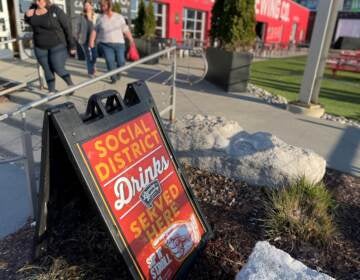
(109, 33)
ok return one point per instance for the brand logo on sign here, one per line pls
(152, 191)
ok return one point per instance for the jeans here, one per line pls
(53, 61)
(114, 54)
(91, 56)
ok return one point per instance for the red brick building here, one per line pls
(281, 21)
(278, 21)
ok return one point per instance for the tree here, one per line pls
(233, 24)
(150, 21)
(116, 7)
(140, 19)
(216, 13)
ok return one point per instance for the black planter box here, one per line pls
(228, 70)
(147, 47)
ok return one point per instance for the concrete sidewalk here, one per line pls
(14, 199)
(337, 143)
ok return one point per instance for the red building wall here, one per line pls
(279, 16)
(175, 15)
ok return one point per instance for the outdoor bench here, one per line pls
(344, 61)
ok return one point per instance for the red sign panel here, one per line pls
(144, 195)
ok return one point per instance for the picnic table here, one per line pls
(344, 61)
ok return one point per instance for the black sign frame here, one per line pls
(64, 123)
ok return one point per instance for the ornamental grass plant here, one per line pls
(301, 212)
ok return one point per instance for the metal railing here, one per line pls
(22, 53)
(28, 156)
(20, 40)
(273, 50)
(69, 90)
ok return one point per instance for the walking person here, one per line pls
(52, 40)
(84, 27)
(109, 33)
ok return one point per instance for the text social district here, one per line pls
(124, 146)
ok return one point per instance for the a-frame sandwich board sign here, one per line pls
(123, 159)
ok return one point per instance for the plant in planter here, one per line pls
(139, 21)
(233, 34)
(150, 21)
(116, 7)
(145, 27)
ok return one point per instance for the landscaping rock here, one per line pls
(267, 96)
(223, 147)
(266, 262)
(341, 120)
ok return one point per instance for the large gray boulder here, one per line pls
(269, 263)
(223, 147)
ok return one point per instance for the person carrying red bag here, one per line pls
(109, 32)
(133, 54)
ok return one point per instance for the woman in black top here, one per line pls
(52, 39)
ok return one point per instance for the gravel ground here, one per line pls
(81, 249)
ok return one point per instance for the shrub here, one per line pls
(216, 19)
(233, 24)
(302, 212)
(150, 21)
(145, 22)
(139, 21)
(116, 7)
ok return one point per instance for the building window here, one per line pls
(24, 5)
(160, 11)
(134, 9)
(2, 25)
(193, 25)
(160, 14)
(352, 5)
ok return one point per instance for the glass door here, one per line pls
(193, 26)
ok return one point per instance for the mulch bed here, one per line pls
(81, 249)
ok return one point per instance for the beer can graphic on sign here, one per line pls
(180, 238)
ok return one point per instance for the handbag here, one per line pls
(133, 54)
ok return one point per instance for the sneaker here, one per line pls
(51, 92)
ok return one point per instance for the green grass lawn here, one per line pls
(340, 95)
